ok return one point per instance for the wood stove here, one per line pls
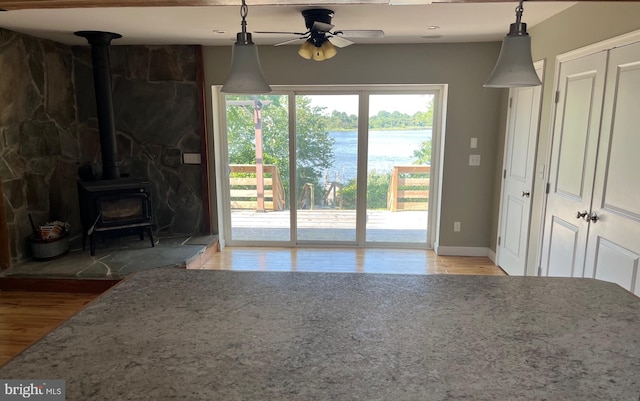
(110, 204)
(119, 207)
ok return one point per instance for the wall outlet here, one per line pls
(456, 226)
(191, 158)
(474, 160)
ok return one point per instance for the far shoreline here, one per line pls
(382, 129)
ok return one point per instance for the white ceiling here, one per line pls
(218, 25)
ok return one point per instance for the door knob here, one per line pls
(591, 217)
(525, 194)
(580, 214)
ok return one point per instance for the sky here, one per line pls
(407, 104)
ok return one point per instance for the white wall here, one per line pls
(472, 111)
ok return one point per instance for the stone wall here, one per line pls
(48, 129)
(38, 136)
(156, 111)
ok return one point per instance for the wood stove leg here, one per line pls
(150, 234)
(92, 243)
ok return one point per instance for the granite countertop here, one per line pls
(171, 334)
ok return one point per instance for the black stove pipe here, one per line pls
(100, 42)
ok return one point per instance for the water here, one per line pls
(386, 149)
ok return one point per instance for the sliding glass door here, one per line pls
(257, 139)
(398, 167)
(328, 168)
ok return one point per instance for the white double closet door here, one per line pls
(592, 220)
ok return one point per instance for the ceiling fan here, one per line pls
(320, 41)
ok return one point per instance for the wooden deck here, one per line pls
(330, 225)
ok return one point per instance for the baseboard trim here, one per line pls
(492, 256)
(462, 251)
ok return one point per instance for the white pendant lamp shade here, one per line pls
(515, 66)
(246, 73)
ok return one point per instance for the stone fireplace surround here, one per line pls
(48, 129)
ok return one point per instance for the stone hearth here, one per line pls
(117, 259)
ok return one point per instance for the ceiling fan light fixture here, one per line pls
(318, 54)
(320, 40)
(328, 49)
(306, 50)
(246, 74)
(514, 68)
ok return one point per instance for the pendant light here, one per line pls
(514, 68)
(246, 73)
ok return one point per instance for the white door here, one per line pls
(573, 157)
(519, 164)
(613, 247)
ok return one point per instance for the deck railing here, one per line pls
(307, 197)
(409, 188)
(243, 184)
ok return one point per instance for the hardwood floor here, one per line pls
(349, 260)
(25, 317)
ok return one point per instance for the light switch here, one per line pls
(474, 160)
(474, 143)
(191, 158)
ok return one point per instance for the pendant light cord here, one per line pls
(519, 11)
(518, 28)
(244, 11)
(243, 37)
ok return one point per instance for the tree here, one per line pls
(314, 151)
(341, 121)
(377, 190)
(423, 154)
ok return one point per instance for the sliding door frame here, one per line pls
(220, 191)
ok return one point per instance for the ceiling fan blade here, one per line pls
(282, 33)
(361, 33)
(321, 27)
(286, 42)
(337, 41)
